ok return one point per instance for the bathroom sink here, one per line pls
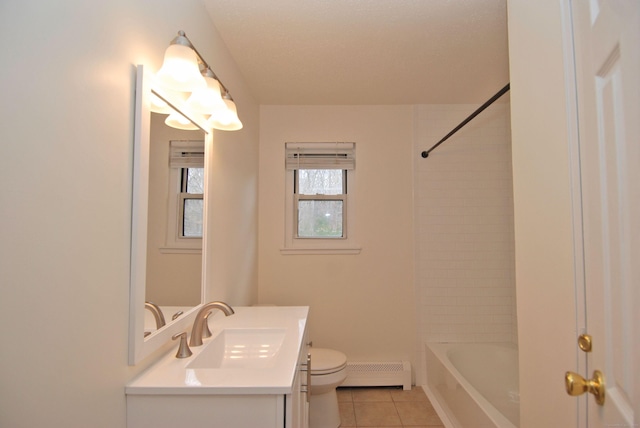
(241, 348)
(255, 351)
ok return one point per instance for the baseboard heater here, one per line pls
(396, 373)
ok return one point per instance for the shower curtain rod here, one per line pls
(490, 101)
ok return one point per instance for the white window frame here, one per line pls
(325, 156)
(182, 154)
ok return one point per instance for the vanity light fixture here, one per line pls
(185, 71)
(207, 100)
(180, 70)
(226, 119)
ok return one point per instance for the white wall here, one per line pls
(67, 85)
(464, 226)
(361, 304)
(542, 208)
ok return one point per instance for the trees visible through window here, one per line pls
(320, 202)
(192, 189)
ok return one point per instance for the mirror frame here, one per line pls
(139, 346)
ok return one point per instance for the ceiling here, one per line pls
(351, 52)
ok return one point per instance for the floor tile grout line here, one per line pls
(352, 404)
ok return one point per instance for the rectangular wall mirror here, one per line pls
(168, 212)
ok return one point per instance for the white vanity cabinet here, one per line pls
(181, 393)
(215, 411)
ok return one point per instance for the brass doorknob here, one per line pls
(577, 385)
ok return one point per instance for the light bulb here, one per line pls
(227, 119)
(207, 100)
(178, 121)
(180, 70)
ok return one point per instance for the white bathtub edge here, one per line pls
(436, 403)
(440, 350)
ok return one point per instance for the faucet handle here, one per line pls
(183, 348)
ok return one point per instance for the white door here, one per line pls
(607, 55)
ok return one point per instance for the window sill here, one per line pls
(318, 250)
(176, 250)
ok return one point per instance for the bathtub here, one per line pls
(473, 385)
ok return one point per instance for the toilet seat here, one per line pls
(326, 361)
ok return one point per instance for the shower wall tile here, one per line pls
(464, 221)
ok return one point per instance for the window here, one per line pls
(320, 198)
(186, 190)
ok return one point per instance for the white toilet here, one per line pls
(328, 371)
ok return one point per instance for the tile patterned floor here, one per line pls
(386, 407)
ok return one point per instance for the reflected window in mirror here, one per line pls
(186, 189)
(191, 192)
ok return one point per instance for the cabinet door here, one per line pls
(298, 402)
(212, 411)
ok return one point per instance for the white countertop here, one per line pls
(171, 375)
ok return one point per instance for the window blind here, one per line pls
(186, 154)
(320, 156)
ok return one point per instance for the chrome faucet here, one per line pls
(157, 313)
(202, 317)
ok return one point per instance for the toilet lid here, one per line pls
(326, 361)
